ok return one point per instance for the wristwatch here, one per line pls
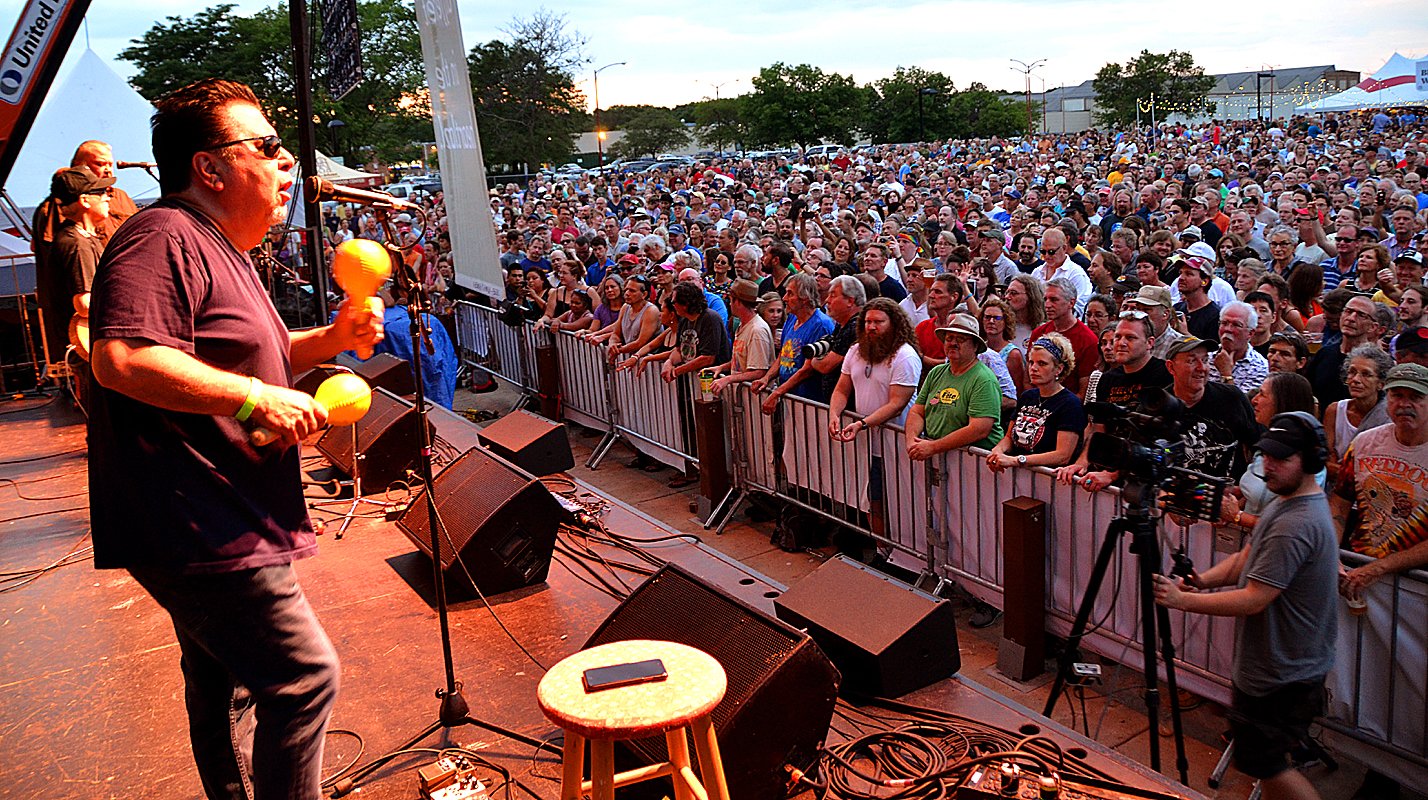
(1021, 461)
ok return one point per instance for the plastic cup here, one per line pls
(1357, 606)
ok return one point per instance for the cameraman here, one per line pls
(1285, 579)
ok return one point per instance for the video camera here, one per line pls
(1145, 446)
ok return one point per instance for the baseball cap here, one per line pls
(1408, 376)
(1189, 345)
(1410, 255)
(1153, 296)
(1127, 283)
(68, 184)
(676, 230)
(1290, 433)
(967, 326)
(1192, 230)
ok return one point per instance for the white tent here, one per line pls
(337, 173)
(1393, 85)
(91, 102)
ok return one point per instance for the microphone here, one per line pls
(317, 190)
(360, 267)
(135, 165)
(345, 396)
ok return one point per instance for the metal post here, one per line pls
(599, 134)
(307, 157)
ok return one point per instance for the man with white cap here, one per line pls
(1202, 315)
(1220, 291)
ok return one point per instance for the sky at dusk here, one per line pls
(675, 56)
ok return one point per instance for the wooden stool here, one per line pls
(695, 685)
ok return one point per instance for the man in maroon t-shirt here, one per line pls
(1061, 318)
(190, 356)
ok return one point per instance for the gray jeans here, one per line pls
(260, 679)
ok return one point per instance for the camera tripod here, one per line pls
(1137, 520)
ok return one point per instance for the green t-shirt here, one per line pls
(950, 401)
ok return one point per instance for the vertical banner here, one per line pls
(28, 65)
(463, 171)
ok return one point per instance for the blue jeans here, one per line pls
(260, 679)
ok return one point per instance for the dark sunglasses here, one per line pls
(267, 145)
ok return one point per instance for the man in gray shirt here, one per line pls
(1285, 583)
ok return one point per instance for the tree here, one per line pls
(384, 118)
(892, 113)
(650, 132)
(720, 122)
(527, 106)
(802, 105)
(979, 112)
(1173, 79)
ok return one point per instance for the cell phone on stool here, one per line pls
(600, 678)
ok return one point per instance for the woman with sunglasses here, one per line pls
(1281, 392)
(721, 273)
(1049, 420)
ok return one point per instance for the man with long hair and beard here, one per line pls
(880, 374)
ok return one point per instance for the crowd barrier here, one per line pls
(942, 519)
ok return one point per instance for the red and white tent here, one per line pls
(1394, 84)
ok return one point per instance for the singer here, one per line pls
(190, 353)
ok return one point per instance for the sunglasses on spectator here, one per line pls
(269, 146)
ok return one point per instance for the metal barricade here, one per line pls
(1378, 689)
(864, 485)
(584, 381)
(967, 509)
(489, 343)
(656, 417)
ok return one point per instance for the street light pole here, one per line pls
(1026, 70)
(599, 134)
(923, 91)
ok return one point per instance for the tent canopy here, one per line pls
(1392, 85)
(92, 102)
(330, 170)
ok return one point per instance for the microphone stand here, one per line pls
(453, 710)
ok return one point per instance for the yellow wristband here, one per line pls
(250, 402)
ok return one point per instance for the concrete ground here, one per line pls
(1114, 713)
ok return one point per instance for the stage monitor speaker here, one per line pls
(531, 442)
(307, 382)
(382, 371)
(887, 638)
(781, 687)
(387, 437)
(499, 520)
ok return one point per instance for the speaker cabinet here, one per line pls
(531, 442)
(387, 438)
(781, 691)
(382, 371)
(500, 521)
(886, 637)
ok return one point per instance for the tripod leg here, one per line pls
(1167, 651)
(1146, 571)
(1083, 612)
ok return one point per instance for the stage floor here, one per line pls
(91, 696)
